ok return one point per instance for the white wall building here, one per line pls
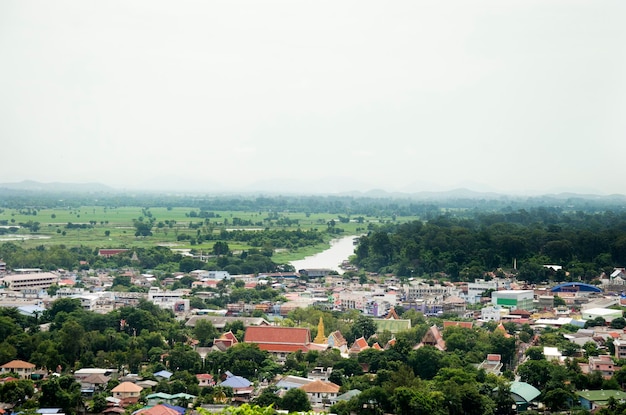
(608, 314)
(171, 300)
(493, 313)
(477, 288)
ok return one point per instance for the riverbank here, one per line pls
(331, 258)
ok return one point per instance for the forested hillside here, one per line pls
(466, 246)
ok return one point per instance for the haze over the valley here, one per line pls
(520, 97)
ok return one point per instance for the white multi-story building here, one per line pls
(349, 300)
(417, 291)
(477, 288)
(493, 313)
(173, 300)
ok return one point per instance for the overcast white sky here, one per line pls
(512, 96)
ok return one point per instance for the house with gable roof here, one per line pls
(161, 409)
(225, 341)
(205, 379)
(23, 369)
(432, 338)
(321, 393)
(242, 387)
(127, 392)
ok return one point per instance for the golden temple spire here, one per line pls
(320, 338)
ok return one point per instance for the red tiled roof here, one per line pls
(359, 344)
(283, 348)
(277, 335)
(464, 324)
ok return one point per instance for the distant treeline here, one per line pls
(464, 248)
(380, 205)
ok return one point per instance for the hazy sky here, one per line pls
(513, 96)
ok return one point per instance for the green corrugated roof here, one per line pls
(602, 395)
(394, 326)
(524, 390)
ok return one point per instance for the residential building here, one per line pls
(127, 392)
(476, 289)
(421, 290)
(23, 369)
(493, 313)
(170, 300)
(603, 364)
(321, 393)
(205, 380)
(620, 347)
(593, 400)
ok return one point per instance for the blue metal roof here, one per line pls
(576, 286)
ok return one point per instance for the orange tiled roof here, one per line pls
(126, 387)
(18, 364)
(464, 324)
(359, 344)
(319, 386)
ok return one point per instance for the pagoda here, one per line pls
(320, 338)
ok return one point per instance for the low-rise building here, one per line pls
(603, 364)
(321, 393)
(23, 369)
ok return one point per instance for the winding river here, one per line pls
(340, 250)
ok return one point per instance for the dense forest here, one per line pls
(466, 246)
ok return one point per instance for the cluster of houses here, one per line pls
(493, 299)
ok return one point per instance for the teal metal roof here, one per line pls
(525, 391)
(348, 395)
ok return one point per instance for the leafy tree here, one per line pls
(618, 323)
(295, 400)
(268, 397)
(205, 332)
(363, 326)
(425, 361)
(60, 392)
(16, 392)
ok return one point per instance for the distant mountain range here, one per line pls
(31, 185)
(294, 187)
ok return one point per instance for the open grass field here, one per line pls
(107, 227)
